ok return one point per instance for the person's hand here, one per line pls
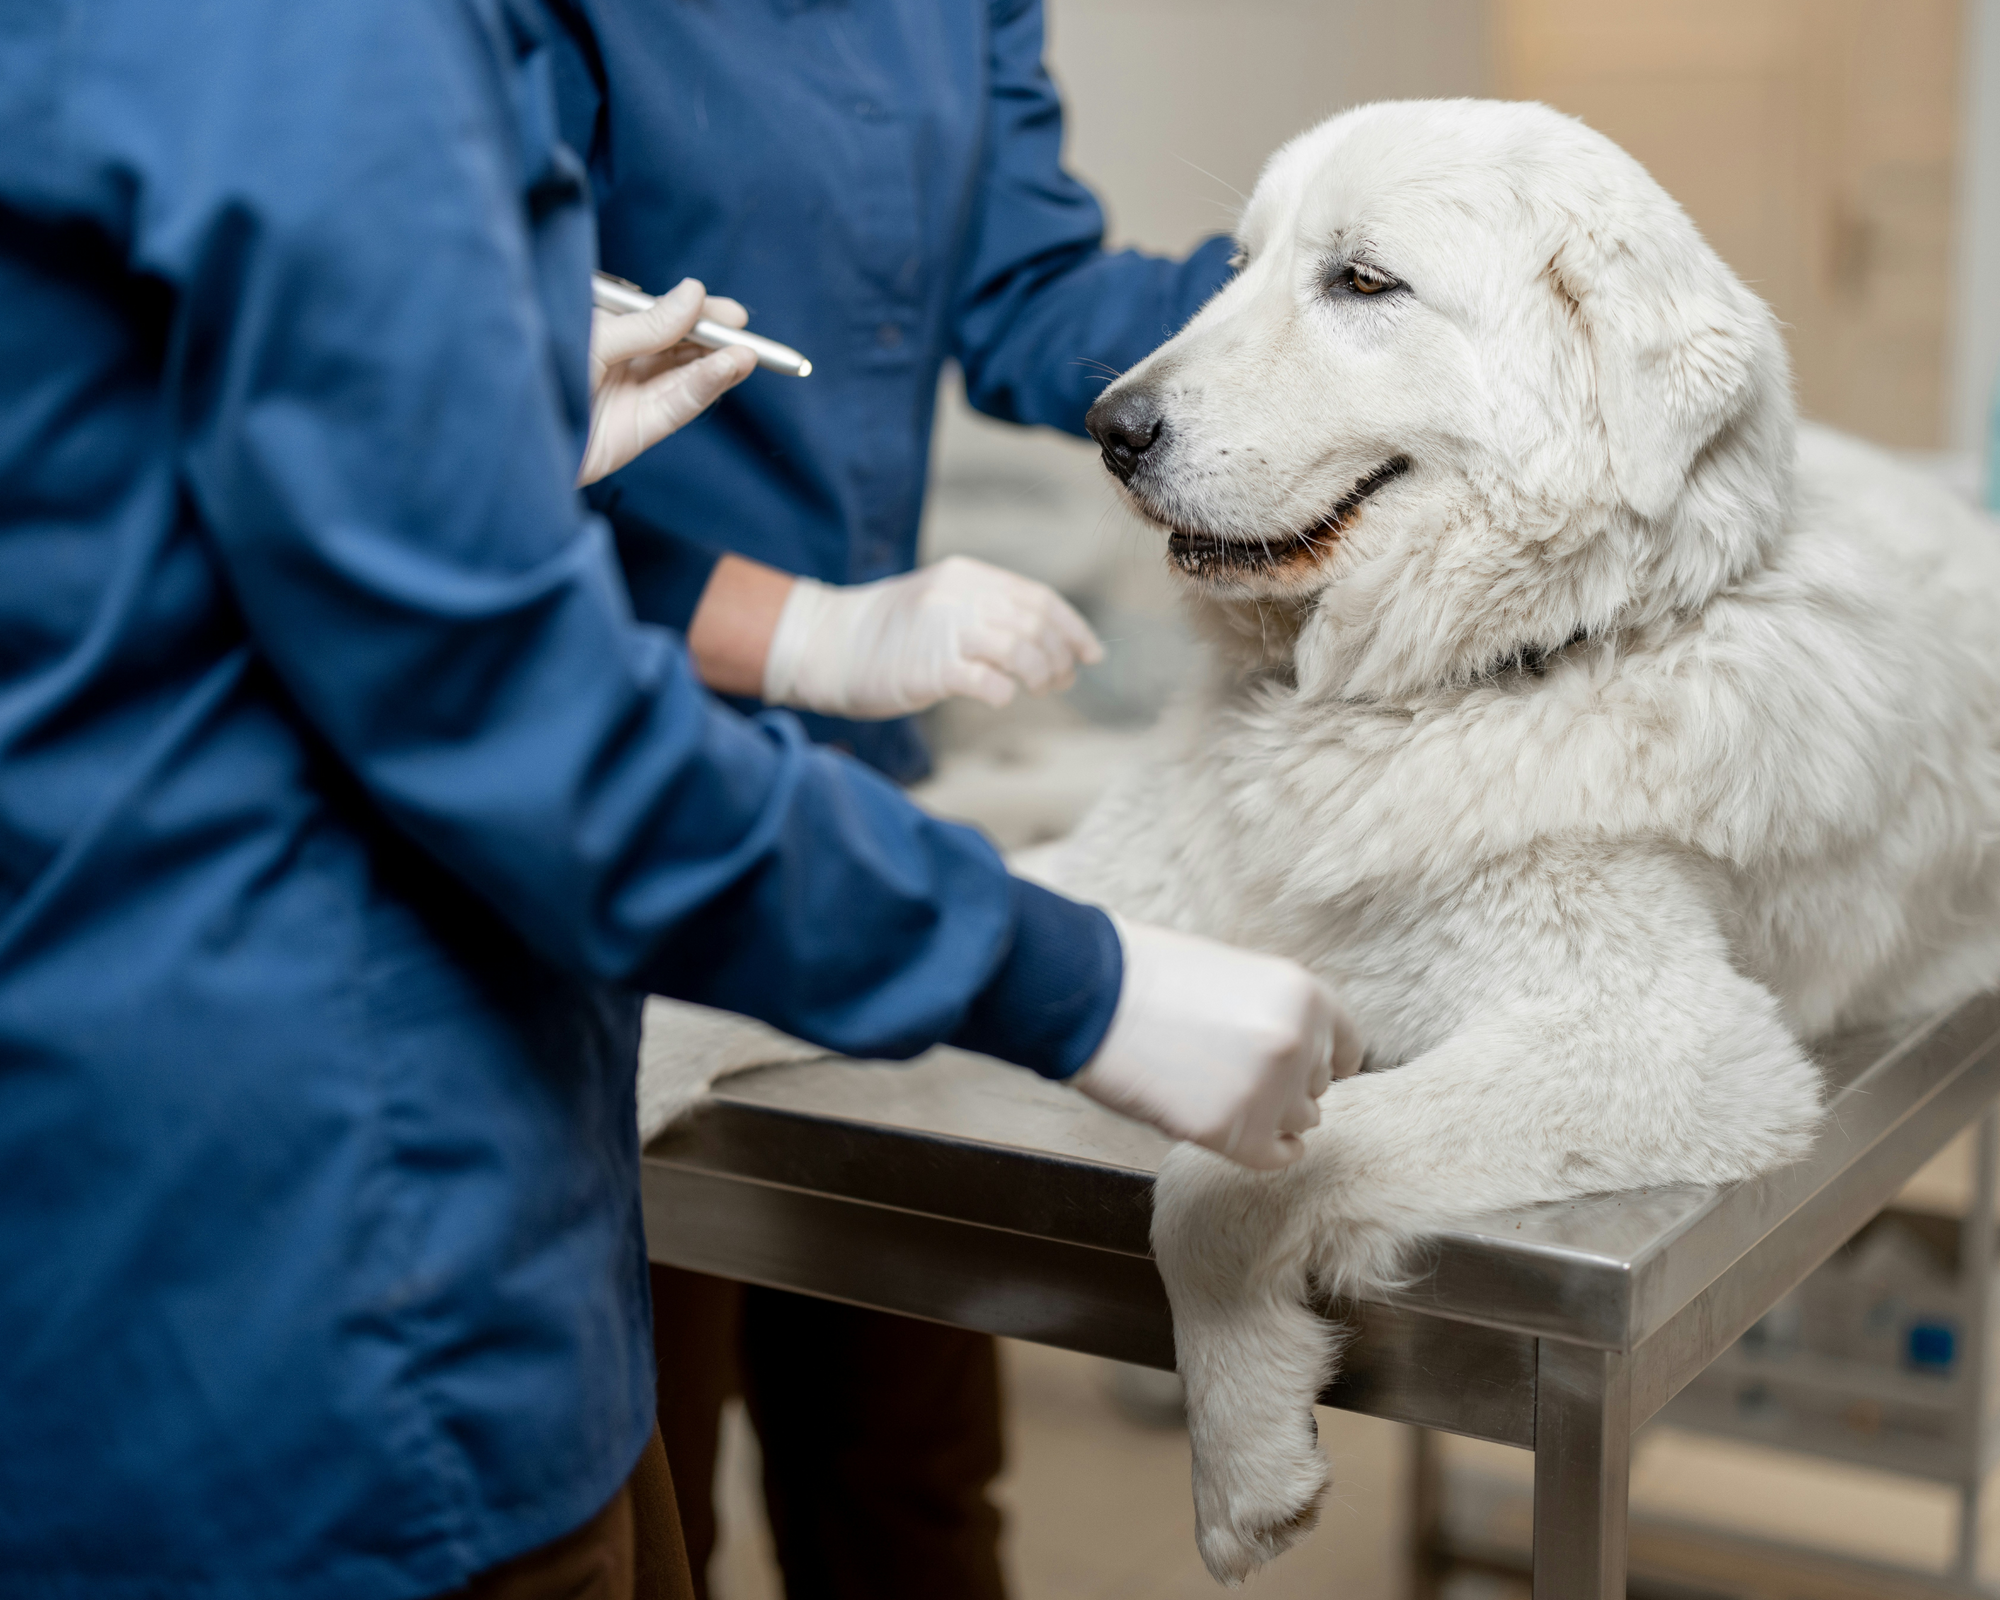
(1220, 1046)
(889, 648)
(646, 380)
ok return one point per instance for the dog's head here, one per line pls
(1478, 386)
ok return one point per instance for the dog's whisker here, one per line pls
(1212, 177)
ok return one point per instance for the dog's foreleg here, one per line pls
(1235, 1251)
(1631, 1052)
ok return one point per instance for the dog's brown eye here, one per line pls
(1357, 277)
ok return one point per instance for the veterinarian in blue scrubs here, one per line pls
(345, 813)
(882, 185)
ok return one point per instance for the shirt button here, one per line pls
(889, 336)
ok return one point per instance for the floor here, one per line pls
(1097, 1501)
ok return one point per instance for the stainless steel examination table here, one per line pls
(972, 1194)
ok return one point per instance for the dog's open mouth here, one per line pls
(1209, 555)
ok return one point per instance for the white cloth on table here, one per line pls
(686, 1049)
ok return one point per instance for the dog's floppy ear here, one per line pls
(1672, 341)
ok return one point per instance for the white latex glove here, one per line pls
(888, 648)
(1220, 1046)
(645, 381)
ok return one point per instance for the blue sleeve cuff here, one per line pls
(1050, 1001)
(665, 573)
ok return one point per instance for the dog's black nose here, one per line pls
(1125, 425)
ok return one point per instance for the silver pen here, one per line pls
(615, 294)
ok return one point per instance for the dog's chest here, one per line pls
(1342, 802)
(1386, 849)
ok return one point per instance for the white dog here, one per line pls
(1595, 736)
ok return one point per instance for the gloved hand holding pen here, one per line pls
(647, 380)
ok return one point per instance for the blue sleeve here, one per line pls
(378, 375)
(1042, 307)
(665, 573)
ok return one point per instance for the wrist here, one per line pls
(798, 650)
(827, 654)
(1123, 1004)
(735, 622)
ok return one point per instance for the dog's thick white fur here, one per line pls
(1612, 739)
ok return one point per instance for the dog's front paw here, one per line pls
(1255, 1496)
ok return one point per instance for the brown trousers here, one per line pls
(880, 1436)
(631, 1550)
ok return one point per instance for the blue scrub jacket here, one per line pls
(881, 183)
(346, 811)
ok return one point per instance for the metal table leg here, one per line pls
(1428, 1564)
(1583, 1451)
(1975, 1276)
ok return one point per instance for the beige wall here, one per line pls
(1975, 343)
(1813, 141)
(1157, 89)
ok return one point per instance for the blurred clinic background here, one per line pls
(1844, 157)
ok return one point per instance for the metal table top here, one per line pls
(968, 1192)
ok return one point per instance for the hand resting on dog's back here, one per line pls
(1595, 732)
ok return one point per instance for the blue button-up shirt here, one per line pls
(345, 812)
(880, 182)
